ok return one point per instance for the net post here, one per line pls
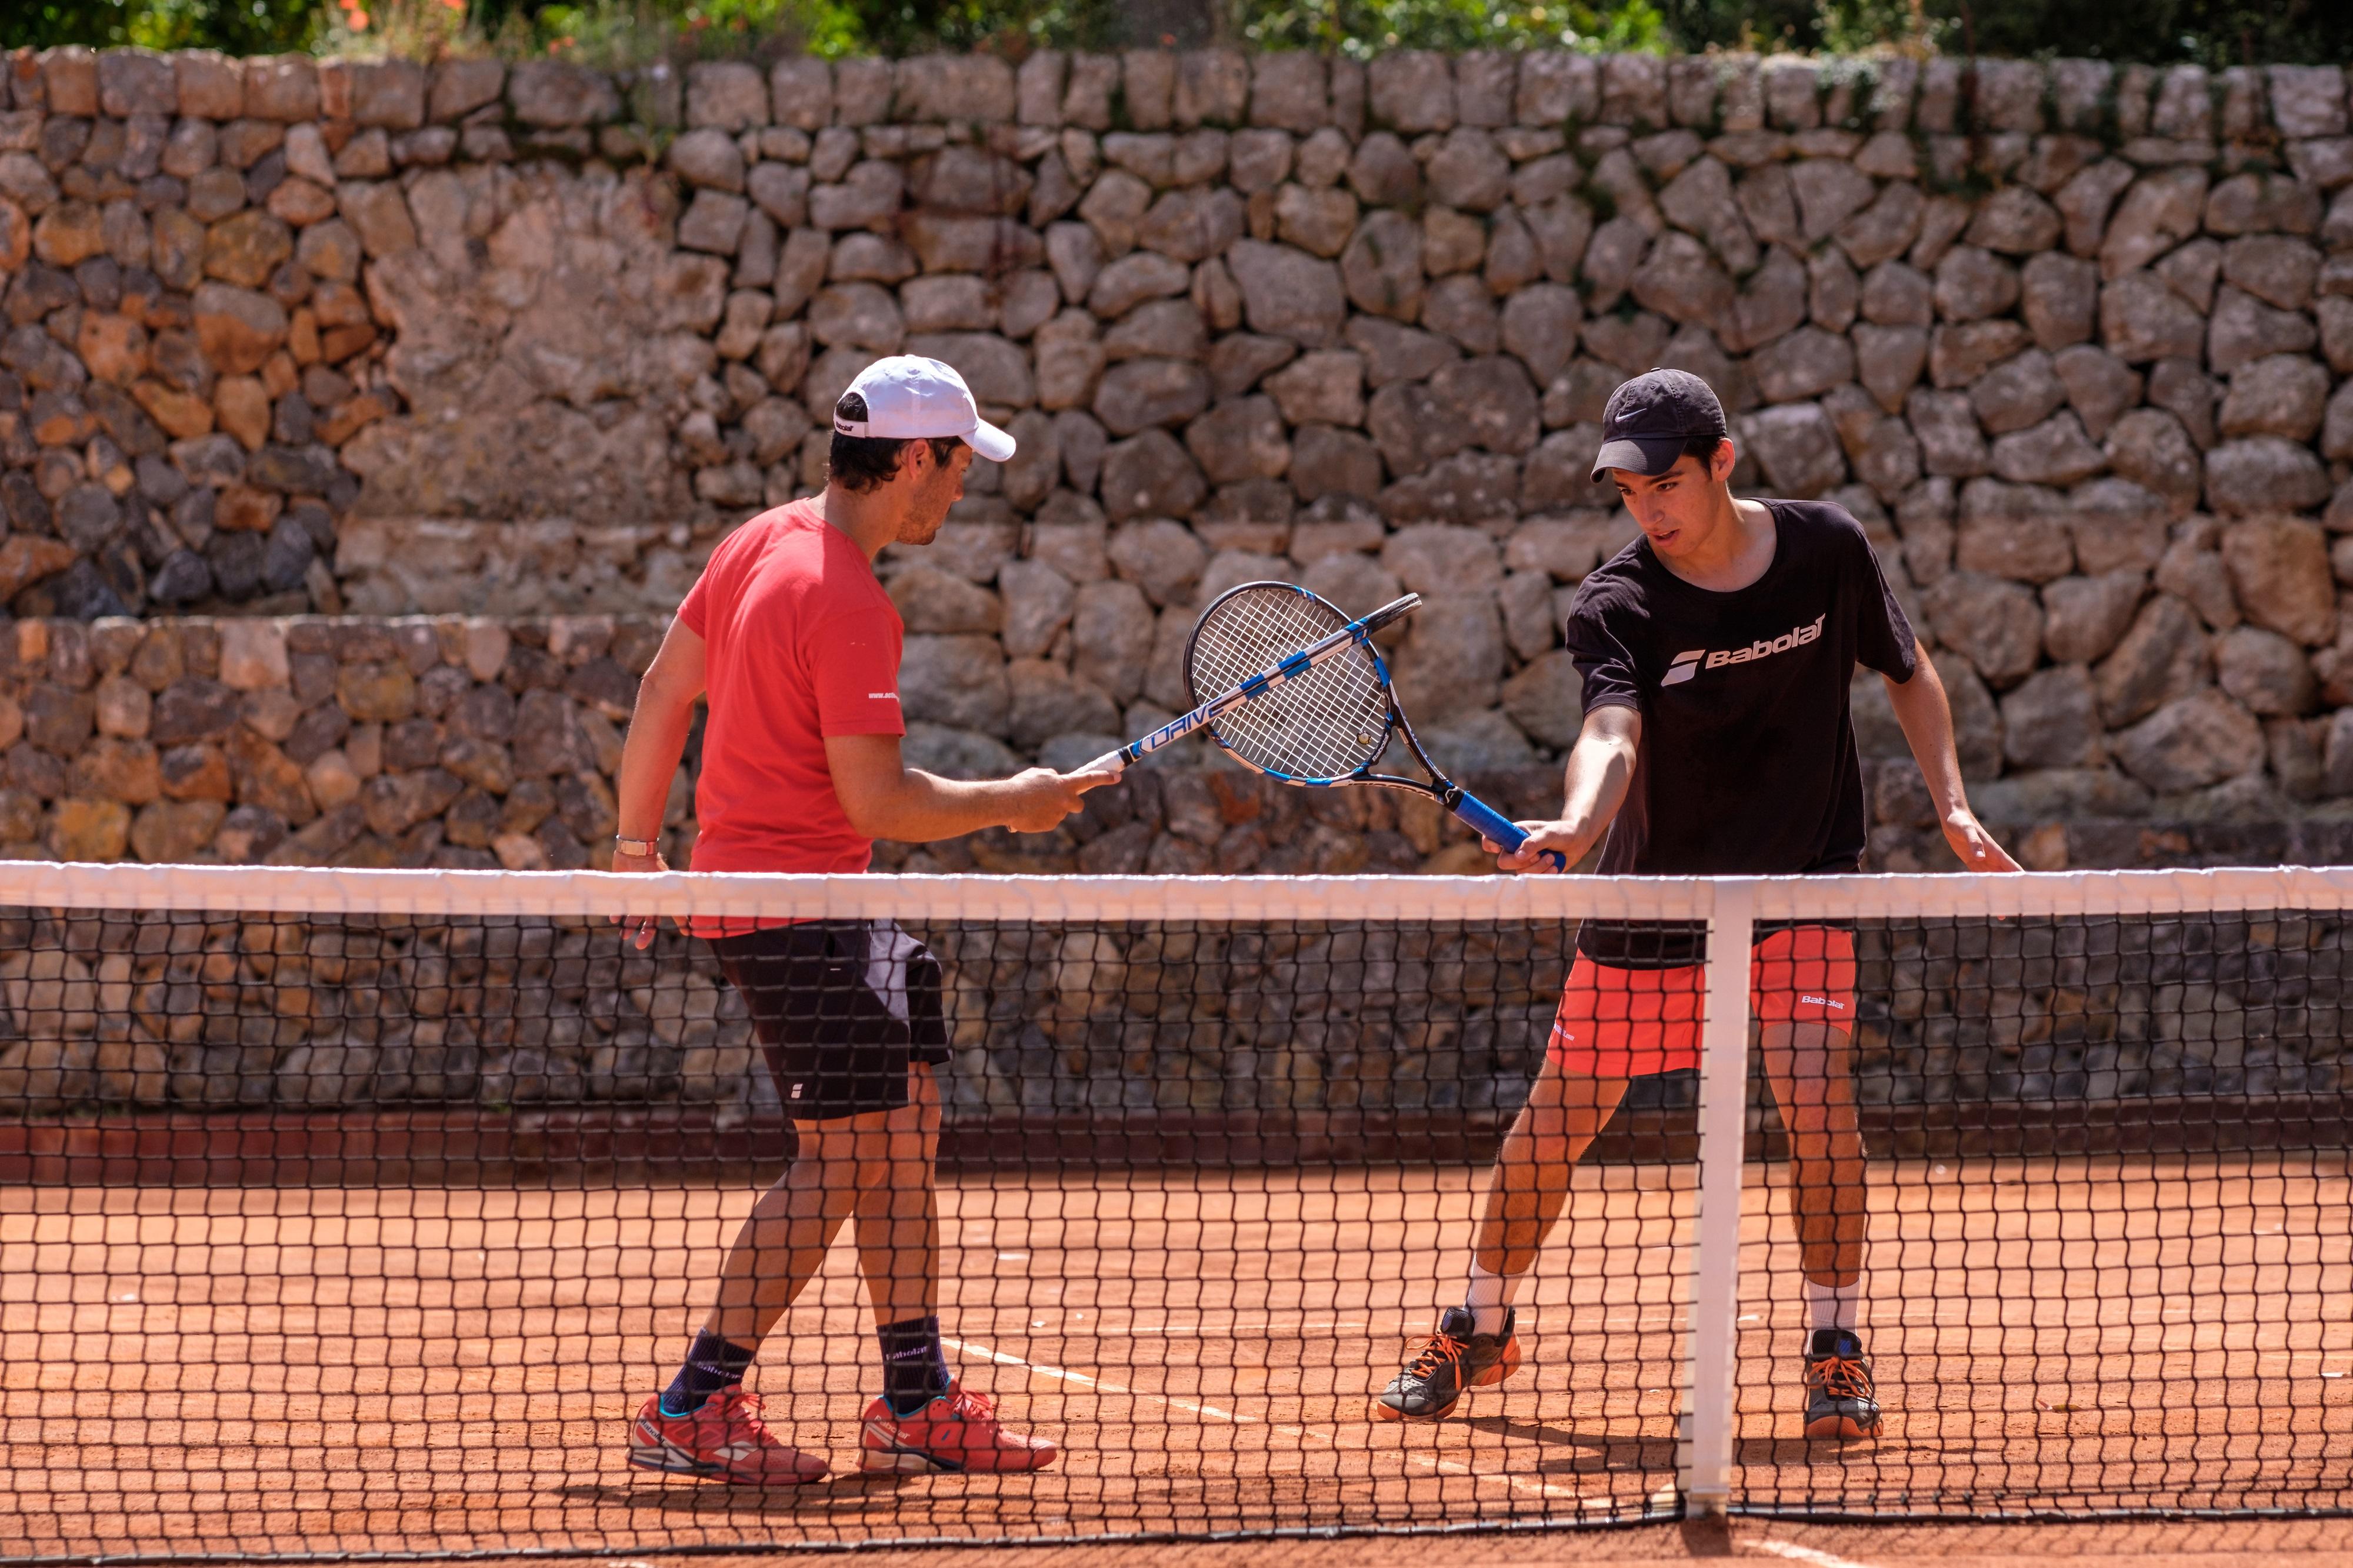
(1706, 1449)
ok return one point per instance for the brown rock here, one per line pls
(2162, 656)
(89, 830)
(2279, 571)
(168, 832)
(238, 328)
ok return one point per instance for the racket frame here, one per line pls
(1459, 802)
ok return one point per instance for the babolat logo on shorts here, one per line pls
(1687, 664)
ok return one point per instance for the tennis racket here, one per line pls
(1329, 718)
(1262, 662)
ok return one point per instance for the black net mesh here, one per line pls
(369, 1233)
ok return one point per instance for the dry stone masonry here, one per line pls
(494, 344)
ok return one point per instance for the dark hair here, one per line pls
(1698, 445)
(858, 463)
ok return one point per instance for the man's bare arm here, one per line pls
(884, 798)
(657, 739)
(1927, 716)
(1593, 787)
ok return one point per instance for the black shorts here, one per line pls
(841, 1008)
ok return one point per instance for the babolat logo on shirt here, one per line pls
(1686, 665)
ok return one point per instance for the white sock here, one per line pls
(1832, 1306)
(1490, 1298)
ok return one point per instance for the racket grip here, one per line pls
(1493, 824)
(1109, 762)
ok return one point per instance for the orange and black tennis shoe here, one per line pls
(1840, 1402)
(1454, 1358)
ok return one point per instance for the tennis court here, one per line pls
(1214, 1162)
(414, 1369)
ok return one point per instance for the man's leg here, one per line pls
(1809, 1068)
(898, 1252)
(1527, 1188)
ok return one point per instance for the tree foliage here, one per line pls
(2211, 32)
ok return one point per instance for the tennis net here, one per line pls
(357, 1213)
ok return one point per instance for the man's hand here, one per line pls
(1562, 839)
(638, 931)
(1037, 799)
(1974, 845)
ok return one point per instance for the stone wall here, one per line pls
(289, 336)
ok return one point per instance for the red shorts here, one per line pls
(1625, 1023)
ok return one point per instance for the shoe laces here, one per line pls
(739, 1409)
(1442, 1349)
(1841, 1377)
(970, 1406)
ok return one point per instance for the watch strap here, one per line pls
(636, 846)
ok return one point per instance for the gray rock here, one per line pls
(1477, 488)
(1996, 626)
(2266, 673)
(2149, 447)
(2021, 391)
(1834, 291)
(2117, 525)
(1468, 171)
(2192, 743)
(1111, 636)
(1355, 583)
(2245, 328)
(2280, 573)
(2060, 298)
(1318, 221)
(2163, 656)
(551, 94)
(1461, 307)
(1957, 355)
(1429, 559)
(2100, 386)
(1045, 700)
(1884, 230)
(1972, 284)
(1453, 657)
(2083, 618)
(1951, 441)
(1069, 357)
(1630, 341)
(2013, 530)
(2142, 320)
(1798, 447)
(1700, 201)
(1239, 361)
(857, 315)
(1888, 460)
(2264, 473)
(1803, 363)
(2055, 452)
(1243, 439)
(1680, 281)
(1326, 387)
(1895, 295)
(1539, 326)
(1126, 283)
(711, 158)
(2015, 221)
(1164, 557)
(1411, 90)
(1140, 394)
(1150, 476)
(1525, 599)
(2192, 271)
(2190, 396)
(2052, 719)
(1611, 257)
(2195, 574)
(1381, 268)
(1889, 360)
(1328, 461)
(1287, 293)
(933, 601)
(2279, 395)
(2276, 269)
(1547, 700)
(2160, 211)
(1393, 353)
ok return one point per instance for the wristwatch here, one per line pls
(639, 847)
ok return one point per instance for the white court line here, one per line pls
(1448, 1466)
(1797, 1554)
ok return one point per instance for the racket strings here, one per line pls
(1326, 724)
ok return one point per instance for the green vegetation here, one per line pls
(2213, 32)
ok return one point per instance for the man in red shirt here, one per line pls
(798, 646)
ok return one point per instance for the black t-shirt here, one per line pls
(1748, 765)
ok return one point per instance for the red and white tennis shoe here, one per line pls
(958, 1430)
(722, 1439)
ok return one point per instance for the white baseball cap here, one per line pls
(909, 397)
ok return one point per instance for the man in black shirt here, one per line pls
(1716, 650)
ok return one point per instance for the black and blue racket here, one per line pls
(1297, 692)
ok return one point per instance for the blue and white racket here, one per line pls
(1301, 694)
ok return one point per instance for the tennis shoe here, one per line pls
(722, 1439)
(957, 1430)
(1840, 1402)
(1451, 1359)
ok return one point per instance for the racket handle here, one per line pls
(1109, 762)
(1494, 825)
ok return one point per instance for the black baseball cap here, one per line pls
(1648, 419)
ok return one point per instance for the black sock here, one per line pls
(711, 1363)
(914, 1368)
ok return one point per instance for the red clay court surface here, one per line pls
(192, 1372)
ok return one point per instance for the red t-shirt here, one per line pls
(801, 643)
